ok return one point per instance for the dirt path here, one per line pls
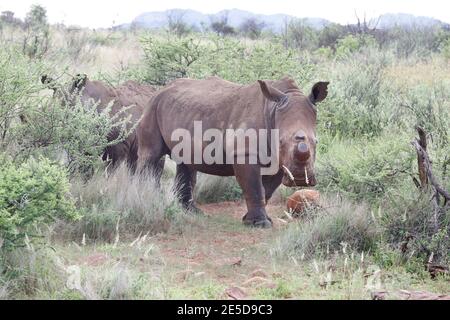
(221, 249)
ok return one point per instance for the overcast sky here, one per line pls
(96, 13)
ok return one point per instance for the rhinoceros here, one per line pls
(221, 105)
(130, 95)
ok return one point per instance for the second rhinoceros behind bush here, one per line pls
(128, 99)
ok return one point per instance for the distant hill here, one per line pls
(390, 20)
(274, 22)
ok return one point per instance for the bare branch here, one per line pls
(422, 141)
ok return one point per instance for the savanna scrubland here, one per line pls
(69, 229)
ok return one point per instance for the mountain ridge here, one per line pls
(274, 22)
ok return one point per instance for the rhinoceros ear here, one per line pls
(79, 82)
(319, 92)
(45, 79)
(49, 82)
(271, 93)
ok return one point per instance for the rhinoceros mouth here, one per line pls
(295, 183)
(298, 179)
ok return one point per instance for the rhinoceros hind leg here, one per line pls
(192, 208)
(186, 180)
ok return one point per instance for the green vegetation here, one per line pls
(31, 194)
(168, 58)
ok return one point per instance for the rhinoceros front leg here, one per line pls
(249, 178)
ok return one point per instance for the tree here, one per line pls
(177, 25)
(221, 27)
(252, 28)
(37, 38)
(36, 17)
(7, 16)
(329, 35)
(301, 35)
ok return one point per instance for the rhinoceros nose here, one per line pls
(303, 148)
(302, 152)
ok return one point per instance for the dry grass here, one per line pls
(336, 223)
(410, 73)
(123, 204)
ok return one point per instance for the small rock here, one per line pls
(235, 261)
(256, 282)
(422, 295)
(96, 260)
(184, 275)
(378, 295)
(236, 293)
(259, 273)
(193, 264)
(199, 274)
(277, 275)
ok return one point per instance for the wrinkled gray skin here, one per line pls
(220, 104)
(128, 94)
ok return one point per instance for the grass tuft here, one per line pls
(123, 204)
(343, 224)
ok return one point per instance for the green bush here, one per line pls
(76, 134)
(353, 43)
(360, 100)
(19, 86)
(365, 169)
(240, 63)
(445, 49)
(429, 107)
(33, 193)
(170, 58)
(300, 35)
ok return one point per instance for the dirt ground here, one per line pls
(216, 257)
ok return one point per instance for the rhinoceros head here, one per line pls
(66, 95)
(294, 115)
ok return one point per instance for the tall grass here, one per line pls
(410, 222)
(338, 223)
(212, 189)
(123, 204)
(29, 271)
